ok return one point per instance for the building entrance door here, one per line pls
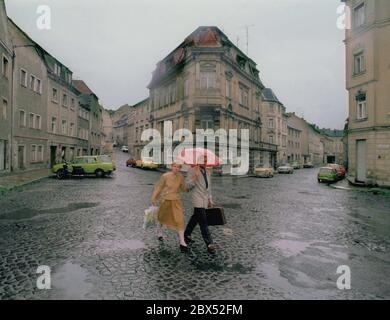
(3, 154)
(53, 154)
(361, 160)
(21, 157)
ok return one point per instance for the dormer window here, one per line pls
(57, 69)
(241, 61)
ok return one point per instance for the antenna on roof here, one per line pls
(247, 37)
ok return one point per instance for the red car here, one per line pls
(130, 162)
(341, 172)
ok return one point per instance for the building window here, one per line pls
(33, 153)
(54, 124)
(271, 123)
(71, 130)
(57, 69)
(64, 127)
(271, 108)
(55, 95)
(64, 100)
(40, 153)
(172, 92)
(72, 103)
(361, 107)
(32, 82)
(38, 122)
(22, 118)
(166, 94)
(207, 124)
(32, 121)
(23, 77)
(207, 79)
(38, 86)
(228, 88)
(243, 97)
(359, 15)
(359, 64)
(186, 87)
(271, 139)
(5, 66)
(3, 111)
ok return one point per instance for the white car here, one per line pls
(286, 168)
(125, 149)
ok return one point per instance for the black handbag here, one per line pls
(215, 216)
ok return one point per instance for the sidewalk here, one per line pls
(18, 179)
(346, 185)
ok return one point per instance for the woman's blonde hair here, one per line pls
(176, 164)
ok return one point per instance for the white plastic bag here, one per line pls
(150, 217)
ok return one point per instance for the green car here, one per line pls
(327, 174)
(98, 165)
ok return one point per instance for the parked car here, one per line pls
(265, 172)
(131, 162)
(217, 171)
(341, 172)
(327, 174)
(98, 165)
(308, 165)
(125, 149)
(146, 163)
(296, 165)
(285, 168)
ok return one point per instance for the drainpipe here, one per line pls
(12, 112)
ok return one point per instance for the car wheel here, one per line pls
(99, 173)
(319, 180)
(60, 174)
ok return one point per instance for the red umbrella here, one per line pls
(194, 156)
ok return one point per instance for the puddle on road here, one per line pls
(28, 213)
(291, 247)
(70, 281)
(119, 245)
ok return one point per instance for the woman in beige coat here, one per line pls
(171, 212)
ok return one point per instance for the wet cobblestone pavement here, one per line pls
(284, 239)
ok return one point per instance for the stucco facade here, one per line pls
(139, 120)
(90, 101)
(368, 83)
(297, 139)
(62, 113)
(30, 138)
(274, 124)
(5, 92)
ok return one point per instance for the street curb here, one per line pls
(376, 191)
(4, 190)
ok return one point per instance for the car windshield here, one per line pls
(79, 160)
(326, 170)
(105, 159)
(147, 159)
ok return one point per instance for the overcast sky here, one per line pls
(114, 45)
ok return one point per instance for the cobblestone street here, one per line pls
(284, 239)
